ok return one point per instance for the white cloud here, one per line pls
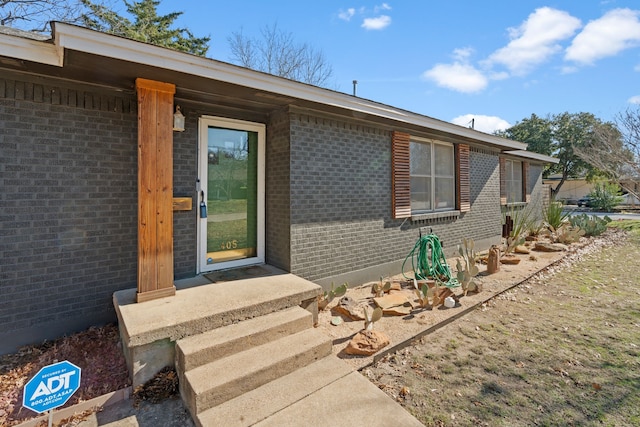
(346, 15)
(383, 6)
(637, 68)
(568, 69)
(487, 124)
(634, 100)
(462, 54)
(377, 23)
(458, 76)
(535, 40)
(614, 32)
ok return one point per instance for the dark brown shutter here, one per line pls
(463, 195)
(525, 182)
(503, 182)
(401, 175)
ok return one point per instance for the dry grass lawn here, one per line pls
(562, 349)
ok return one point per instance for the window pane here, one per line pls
(443, 156)
(517, 171)
(445, 193)
(420, 193)
(420, 157)
(514, 181)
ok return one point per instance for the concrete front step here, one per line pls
(197, 350)
(270, 398)
(221, 380)
(150, 329)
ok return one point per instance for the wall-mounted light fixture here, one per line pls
(178, 120)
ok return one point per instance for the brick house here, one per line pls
(100, 194)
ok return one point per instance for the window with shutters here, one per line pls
(432, 176)
(428, 177)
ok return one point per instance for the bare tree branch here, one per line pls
(616, 150)
(279, 54)
(35, 15)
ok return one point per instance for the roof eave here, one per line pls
(67, 36)
(530, 155)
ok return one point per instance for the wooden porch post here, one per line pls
(155, 189)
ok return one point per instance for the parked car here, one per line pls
(629, 200)
(585, 201)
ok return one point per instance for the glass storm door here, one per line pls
(231, 193)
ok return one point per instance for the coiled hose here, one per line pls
(428, 262)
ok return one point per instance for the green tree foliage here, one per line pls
(561, 136)
(147, 26)
(605, 195)
(535, 131)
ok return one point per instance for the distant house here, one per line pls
(99, 193)
(572, 190)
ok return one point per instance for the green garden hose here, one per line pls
(428, 262)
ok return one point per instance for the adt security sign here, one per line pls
(51, 387)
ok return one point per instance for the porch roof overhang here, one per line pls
(531, 156)
(92, 57)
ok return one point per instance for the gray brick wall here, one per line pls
(68, 206)
(278, 197)
(185, 174)
(341, 200)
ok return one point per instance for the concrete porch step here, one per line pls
(197, 350)
(223, 379)
(270, 398)
(150, 329)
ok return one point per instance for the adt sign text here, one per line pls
(51, 387)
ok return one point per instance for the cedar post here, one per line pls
(155, 189)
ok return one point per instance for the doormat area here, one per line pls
(243, 273)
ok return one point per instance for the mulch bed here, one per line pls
(97, 351)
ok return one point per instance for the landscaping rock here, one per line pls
(391, 300)
(512, 260)
(549, 247)
(349, 308)
(522, 249)
(366, 343)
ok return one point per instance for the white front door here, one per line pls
(231, 193)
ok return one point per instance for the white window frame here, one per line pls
(433, 176)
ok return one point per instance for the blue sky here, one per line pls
(495, 61)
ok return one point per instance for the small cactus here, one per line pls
(380, 288)
(424, 292)
(327, 297)
(467, 269)
(370, 319)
